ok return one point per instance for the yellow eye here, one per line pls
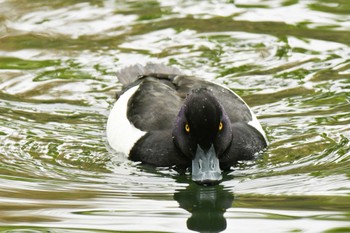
(220, 126)
(187, 128)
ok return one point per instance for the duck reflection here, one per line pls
(207, 206)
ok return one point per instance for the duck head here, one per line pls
(202, 132)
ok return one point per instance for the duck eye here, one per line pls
(187, 128)
(220, 126)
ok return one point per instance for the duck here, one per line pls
(166, 118)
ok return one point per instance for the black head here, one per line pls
(202, 131)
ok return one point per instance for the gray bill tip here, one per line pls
(206, 167)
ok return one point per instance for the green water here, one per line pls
(290, 60)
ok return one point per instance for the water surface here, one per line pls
(290, 61)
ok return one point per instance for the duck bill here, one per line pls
(206, 167)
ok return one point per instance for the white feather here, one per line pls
(121, 133)
(256, 124)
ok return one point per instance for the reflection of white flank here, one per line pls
(121, 134)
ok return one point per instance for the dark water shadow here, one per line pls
(207, 206)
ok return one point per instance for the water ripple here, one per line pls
(57, 83)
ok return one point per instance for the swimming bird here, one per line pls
(165, 118)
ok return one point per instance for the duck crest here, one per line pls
(132, 73)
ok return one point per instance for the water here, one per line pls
(290, 60)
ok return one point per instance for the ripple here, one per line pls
(57, 83)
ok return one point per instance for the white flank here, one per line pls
(256, 124)
(121, 133)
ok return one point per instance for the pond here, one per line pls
(288, 59)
